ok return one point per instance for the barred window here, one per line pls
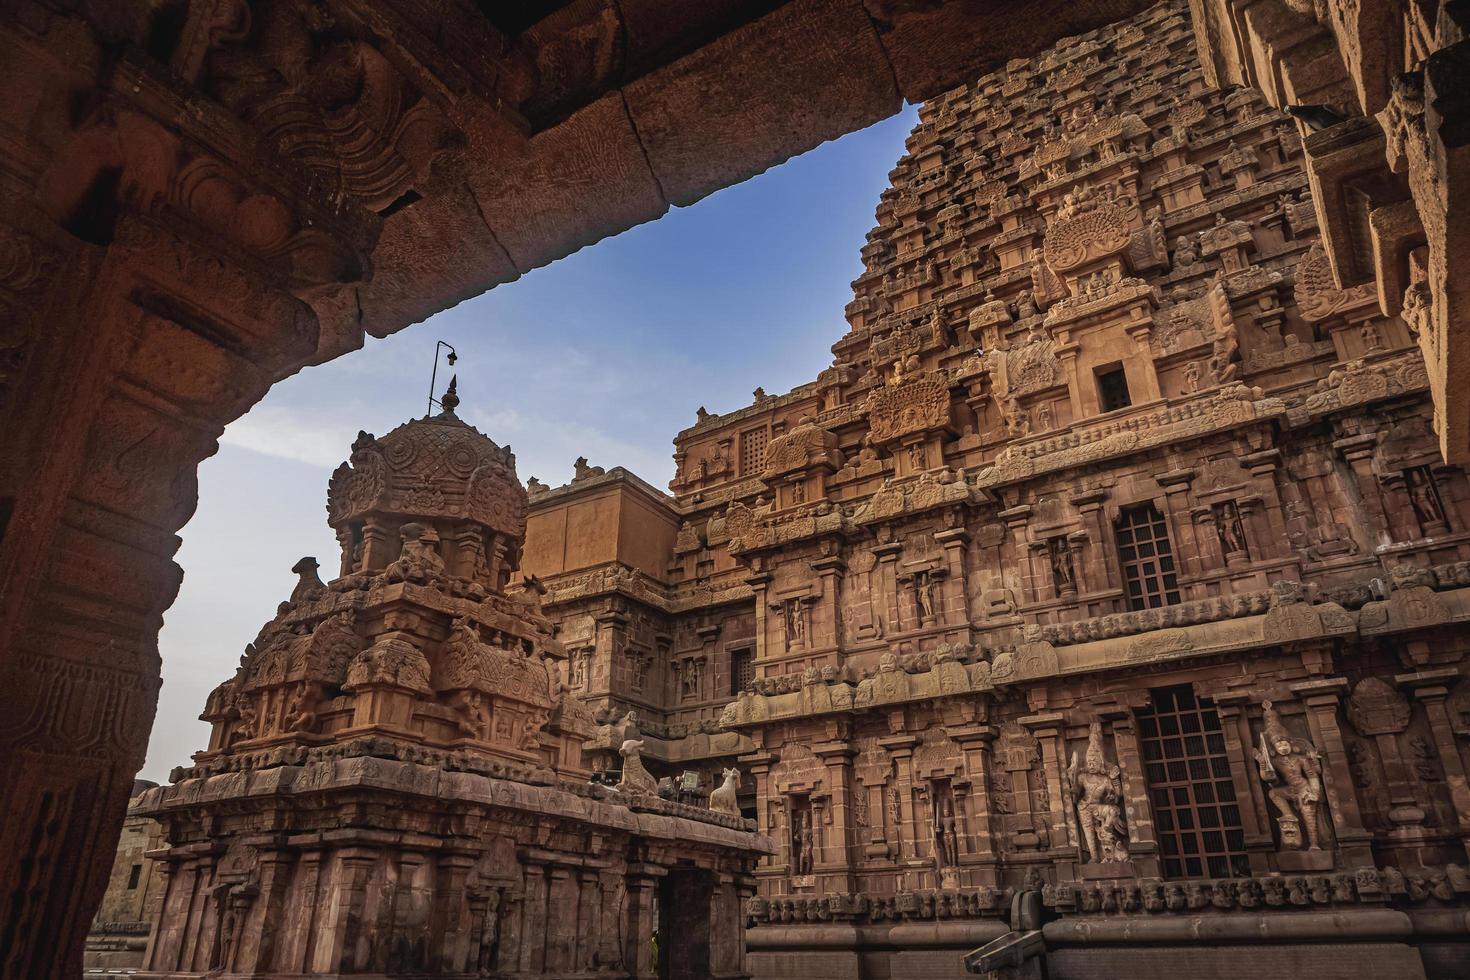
(753, 451)
(1188, 773)
(742, 670)
(1147, 560)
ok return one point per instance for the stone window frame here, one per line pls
(1115, 369)
(753, 444)
(742, 660)
(1168, 589)
(1195, 780)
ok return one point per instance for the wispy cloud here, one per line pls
(287, 432)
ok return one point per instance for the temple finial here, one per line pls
(450, 401)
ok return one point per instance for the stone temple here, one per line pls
(1100, 611)
(395, 784)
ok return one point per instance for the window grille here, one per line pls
(1147, 560)
(1195, 810)
(742, 670)
(753, 451)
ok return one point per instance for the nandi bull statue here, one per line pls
(635, 778)
(722, 798)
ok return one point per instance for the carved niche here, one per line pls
(910, 406)
(806, 446)
(1087, 227)
(1316, 292)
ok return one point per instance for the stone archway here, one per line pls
(202, 198)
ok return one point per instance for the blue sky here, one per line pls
(606, 353)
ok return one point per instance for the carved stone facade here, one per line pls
(118, 938)
(1383, 96)
(395, 785)
(202, 197)
(1111, 571)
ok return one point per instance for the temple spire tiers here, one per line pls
(992, 609)
(409, 724)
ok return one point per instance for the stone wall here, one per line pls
(1107, 450)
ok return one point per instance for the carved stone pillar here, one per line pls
(826, 627)
(759, 768)
(260, 940)
(1140, 331)
(411, 871)
(1143, 843)
(1016, 519)
(606, 644)
(979, 847)
(727, 929)
(534, 920)
(561, 920)
(956, 605)
(297, 957)
(1255, 820)
(1077, 393)
(452, 930)
(837, 856)
(887, 586)
(1096, 572)
(1358, 452)
(1047, 728)
(512, 916)
(758, 585)
(1266, 523)
(379, 546)
(1187, 552)
(194, 955)
(1432, 688)
(344, 923)
(588, 937)
(901, 748)
(1321, 698)
(639, 917)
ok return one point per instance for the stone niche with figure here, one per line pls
(395, 781)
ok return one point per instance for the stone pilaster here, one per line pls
(1250, 795)
(837, 858)
(1321, 697)
(1048, 729)
(1432, 688)
(1143, 844)
(640, 914)
(978, 844)
(345, 923)
(262, 938)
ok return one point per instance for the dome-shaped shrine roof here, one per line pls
(438, 468)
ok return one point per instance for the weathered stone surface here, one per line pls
(926, 598)
(252, 175)
(409, 723)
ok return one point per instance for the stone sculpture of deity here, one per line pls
(1096, 790)
(1292, 771)
(946, 844)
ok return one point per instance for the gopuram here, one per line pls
(1103, 604)
(395, 786)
